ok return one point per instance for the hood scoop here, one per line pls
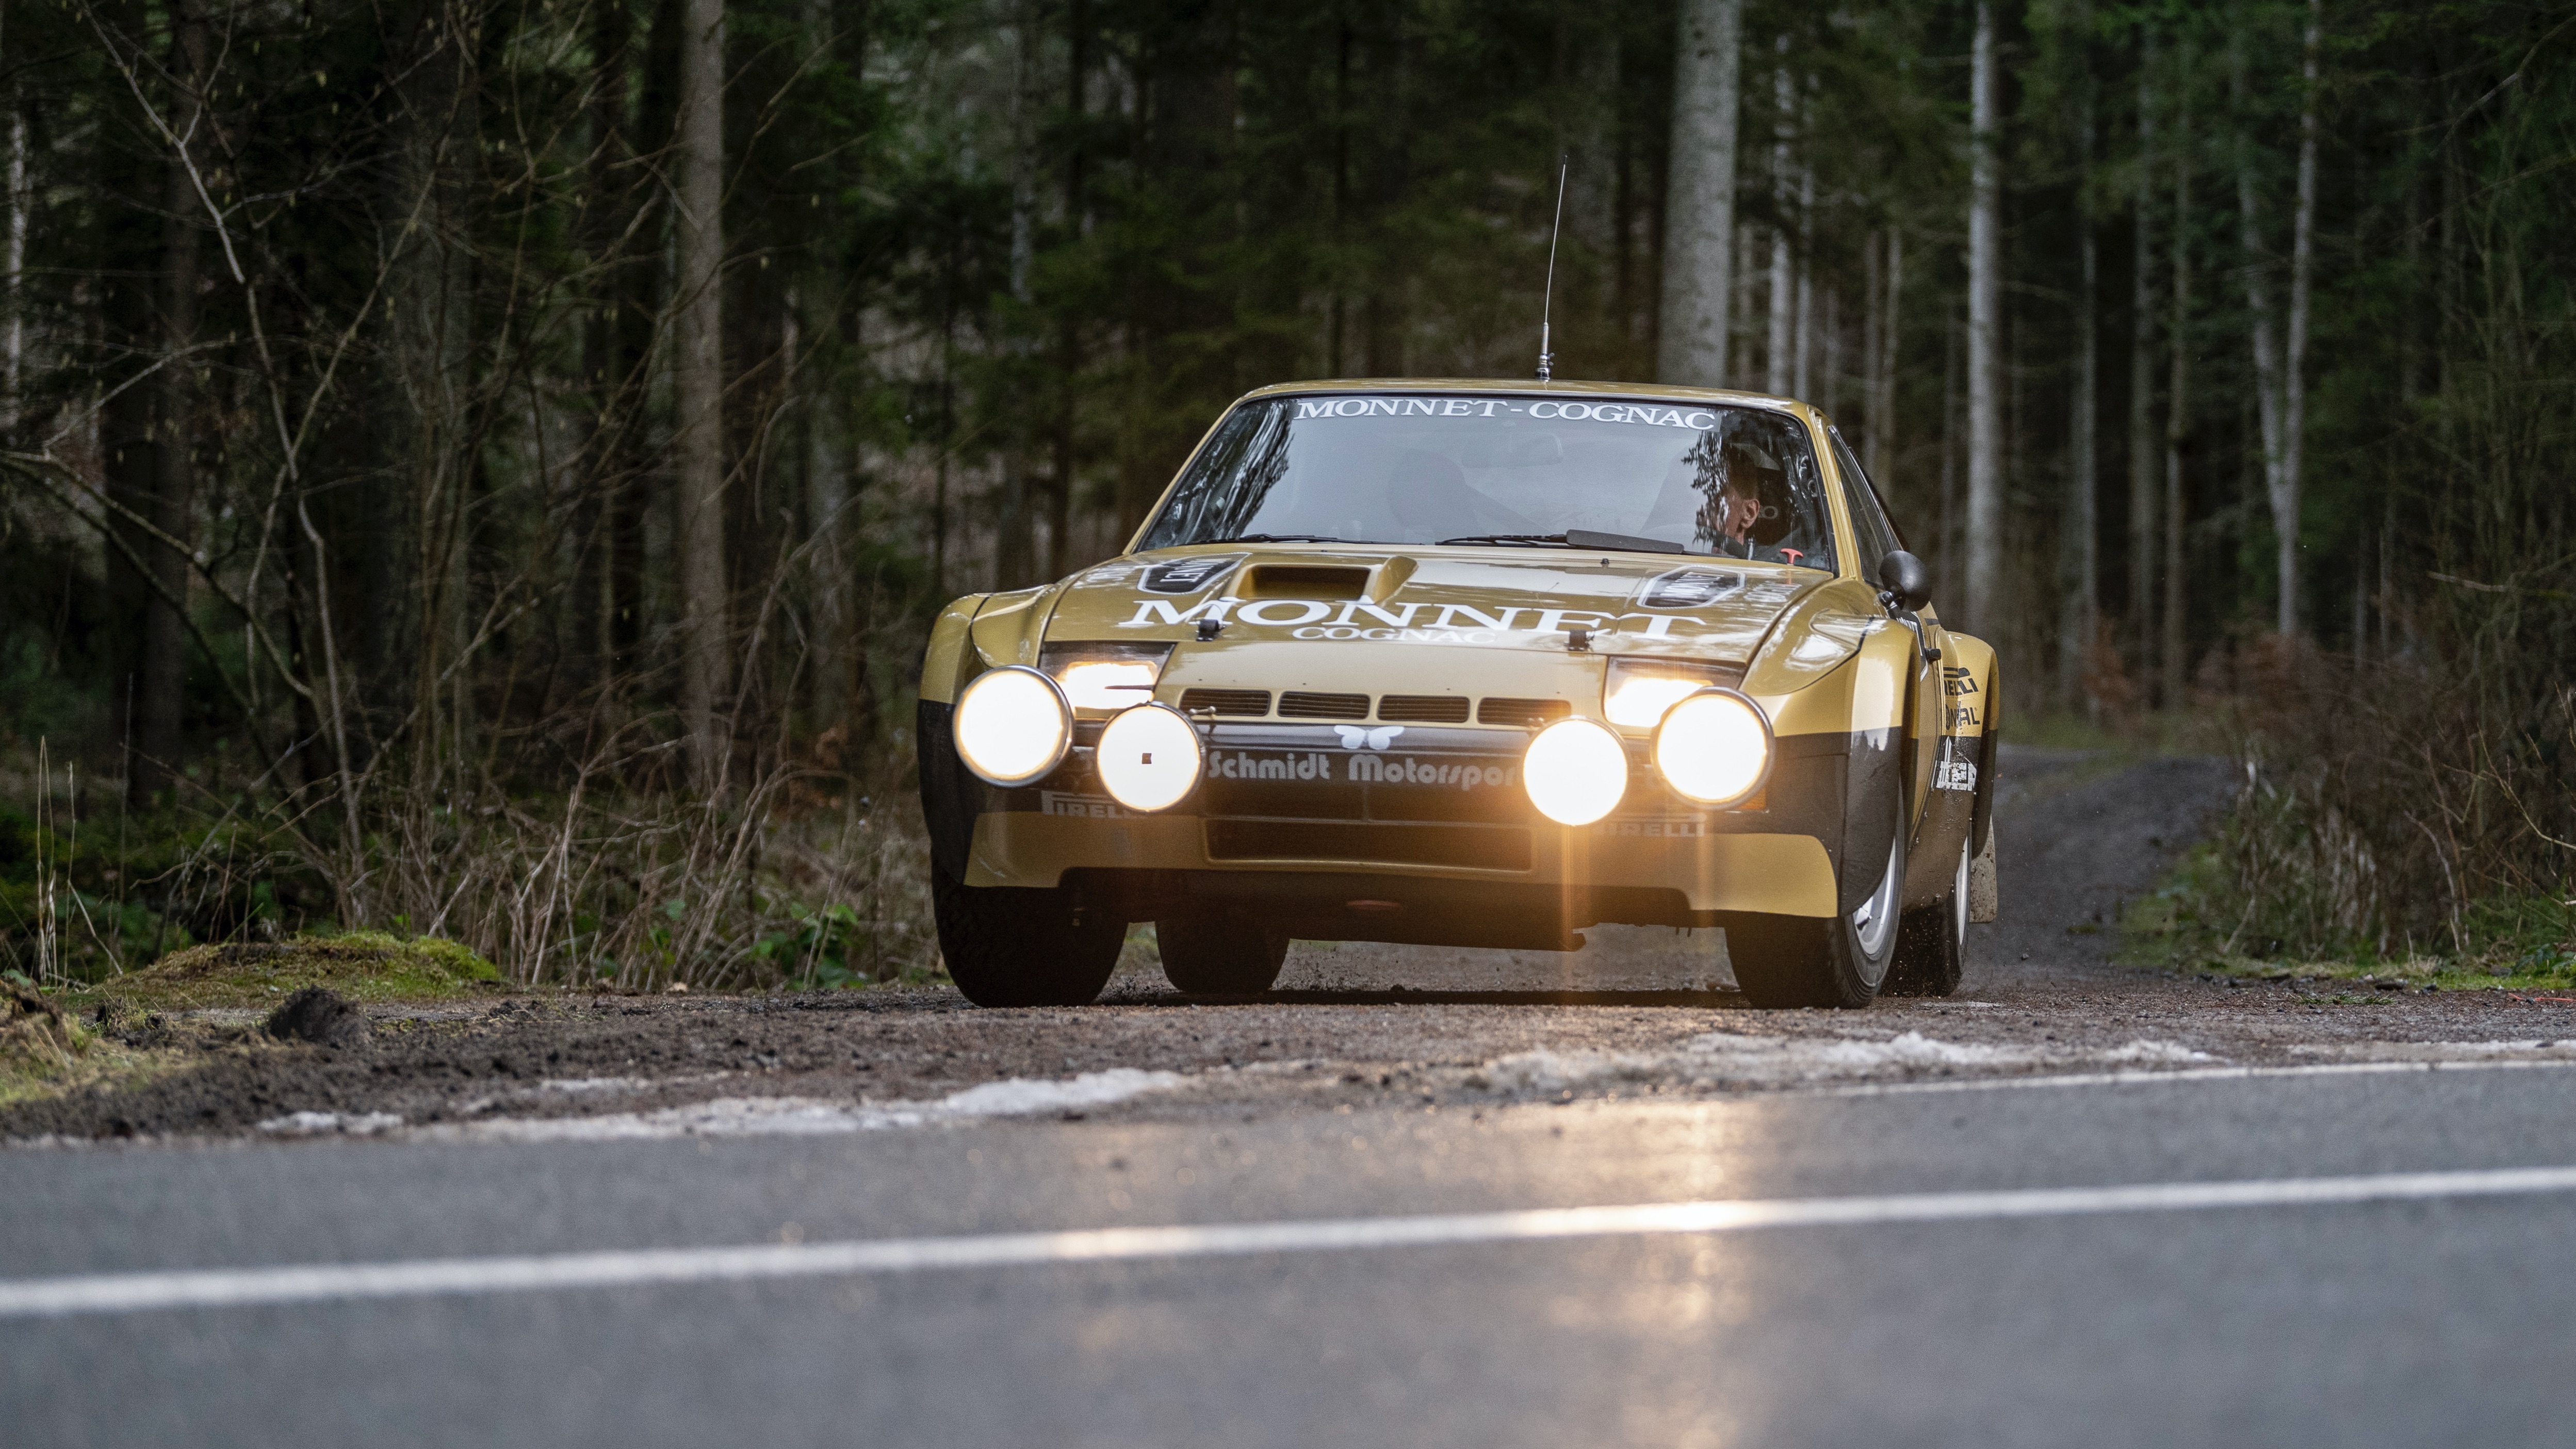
(1303, 581)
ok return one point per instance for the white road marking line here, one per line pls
(335, 1282)
(2182, 1074)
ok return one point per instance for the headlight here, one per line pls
(1575, 772)
(1012, 725)
(1713, 747)
(1148, 758)
(1105, 677)
(1637, 692)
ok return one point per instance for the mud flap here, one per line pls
(1983, 900)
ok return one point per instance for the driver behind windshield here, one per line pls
(1730, 521)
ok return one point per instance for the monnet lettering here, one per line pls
(1408, 623)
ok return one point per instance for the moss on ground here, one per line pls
(363, 966)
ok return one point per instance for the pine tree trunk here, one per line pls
(2260, 334)
(1985, 296)
(1068, 360)
(1015, 530)
(161, 677)
(2143, 443)
(697, 391)
(608, 369)
(1873, 307)
(1699, 207)
(1777, 355)
(2169, 652)
(2080, 557)
(1802, 365)
(1882, 404)
(13, 266)
(2286, 507)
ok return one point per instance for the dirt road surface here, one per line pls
(1641, 1012)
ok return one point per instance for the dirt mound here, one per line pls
(368, 966)
(320, 1015)
(36, 1037)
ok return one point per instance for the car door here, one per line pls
(1877, 537)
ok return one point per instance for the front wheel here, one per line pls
(1220, 958)
(1012, 946)
(1836, 961)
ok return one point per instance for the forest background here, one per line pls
(485, 467)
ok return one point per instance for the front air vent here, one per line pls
(1689, 588)
(1526, 713)
(1423, 708)
(1301, 704)
(1240, 703)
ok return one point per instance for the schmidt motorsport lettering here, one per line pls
(1413, 623)
(1360, 767)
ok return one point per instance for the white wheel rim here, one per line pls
(1959, 897)
(1873, 923)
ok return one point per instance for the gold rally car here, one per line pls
(1472, 664)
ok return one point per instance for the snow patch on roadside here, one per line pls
(1729, 1058)
(330, 1124)
(1020, 1096)
(806, 1116)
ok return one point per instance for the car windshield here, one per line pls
(1428, 468)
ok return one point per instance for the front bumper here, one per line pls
(1428, 837)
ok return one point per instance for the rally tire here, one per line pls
(1204, 956)
(1931, 941)
(1009, 946)
(1837, 961)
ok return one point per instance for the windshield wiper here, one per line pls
(1286, 538)
(1555, 538)
(1579, 538)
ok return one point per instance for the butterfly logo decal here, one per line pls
(1359, 736)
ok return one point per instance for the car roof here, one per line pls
(1531, 388)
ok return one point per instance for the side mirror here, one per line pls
(1908, 584)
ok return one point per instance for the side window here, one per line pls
(1877, 536)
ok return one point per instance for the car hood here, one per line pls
(1486, 599)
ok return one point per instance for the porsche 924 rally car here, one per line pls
(1472, 664)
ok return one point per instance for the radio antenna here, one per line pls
(1547, 298)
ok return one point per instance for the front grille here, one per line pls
(1251, 703)
(1423, 708)
(1472, 847)
(1527, 713)
(1303, 704)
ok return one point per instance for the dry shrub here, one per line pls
(788, 881)
(2422, 803)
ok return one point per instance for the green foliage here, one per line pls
(826, 948)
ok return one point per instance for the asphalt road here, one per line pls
(2312, 1233)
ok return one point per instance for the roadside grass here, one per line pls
(2126, 738)
(2197, 922)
